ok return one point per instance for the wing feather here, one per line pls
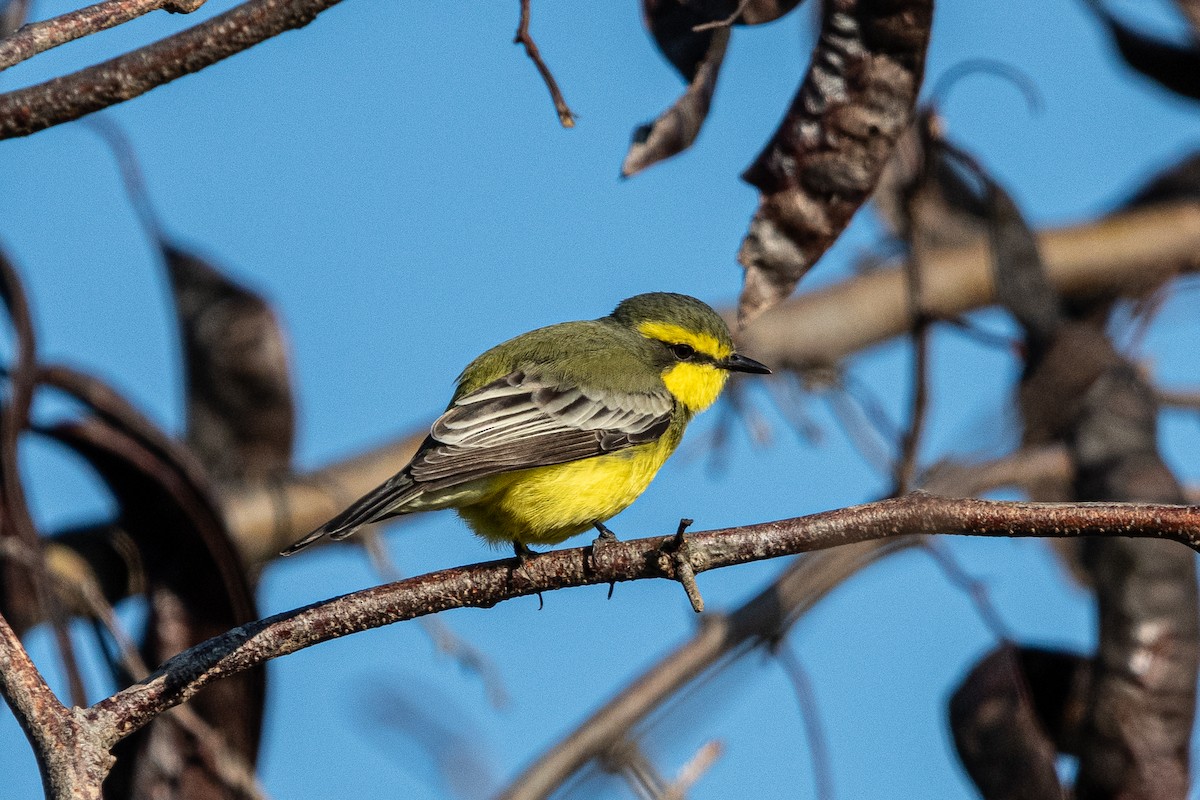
(522, 421)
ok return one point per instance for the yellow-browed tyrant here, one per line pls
(555, 431)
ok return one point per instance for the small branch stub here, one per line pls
(681, 565)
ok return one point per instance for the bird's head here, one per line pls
(691, 345)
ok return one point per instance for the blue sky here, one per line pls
(394, 179)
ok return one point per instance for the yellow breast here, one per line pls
(546, 505)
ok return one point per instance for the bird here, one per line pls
(556, 430)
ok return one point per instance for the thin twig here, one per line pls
(864, 422)
(722, 23)
(910, 442)
(38, 37)
(131, 173)
(974, 588)
(695, 768)
(626, 759)
(677, 551)
(565, 116)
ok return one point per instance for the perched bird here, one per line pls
(555, 431)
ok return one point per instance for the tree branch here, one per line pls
(38, 37)
(73, 763)
(565, 116)
(1126, 253)
(28, 110)
(484, 585)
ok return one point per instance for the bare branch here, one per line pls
(38, 37)
(1178, 398)
(814, 729)
(1125, 253)
(72, 762)
(1023, 468)
(484, 585)
(253, 514)
(28, 110)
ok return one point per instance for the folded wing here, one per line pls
(518, 422)
(522, 421)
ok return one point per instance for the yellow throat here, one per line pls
(695, 386)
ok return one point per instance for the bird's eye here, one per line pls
(683, 351)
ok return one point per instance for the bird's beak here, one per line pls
(739, 363)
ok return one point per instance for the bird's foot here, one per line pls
(605, 534)
(524, 556)
(599, 545)
(676, 550)
(523, 552)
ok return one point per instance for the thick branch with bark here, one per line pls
(101, 727)
(73, 760)
(484, 585)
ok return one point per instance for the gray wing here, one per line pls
(517, 422)
(522, 421)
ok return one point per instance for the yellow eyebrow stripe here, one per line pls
(673, 334)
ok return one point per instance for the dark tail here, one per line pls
(377, 504)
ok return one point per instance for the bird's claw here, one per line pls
(522, 552)
(606, 536)
(524, 556)
(599, 544)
